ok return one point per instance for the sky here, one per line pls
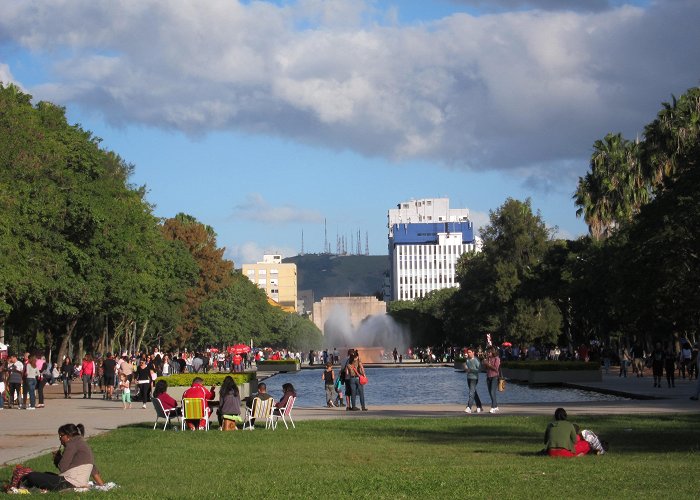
(269, 120)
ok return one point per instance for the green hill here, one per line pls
(340, 275)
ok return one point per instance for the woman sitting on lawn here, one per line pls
(289, 392)
(561, 438)
(74, 461)
(229, 404)
(161, 393)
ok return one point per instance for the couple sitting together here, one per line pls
(287, 391)
(563, 439)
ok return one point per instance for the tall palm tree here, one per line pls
(614, 189)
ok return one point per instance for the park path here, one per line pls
(26, 434)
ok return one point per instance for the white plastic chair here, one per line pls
(284, 413)
(259, 410)
(163, 413)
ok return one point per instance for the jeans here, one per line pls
(473, 395)
(31, 389)
(623, 368)
(492, 384)
(355, 389)
(66, 385)
(87, 386)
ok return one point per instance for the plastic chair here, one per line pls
(284, 413)
(194, 409)
(259, 410)
(163, 413)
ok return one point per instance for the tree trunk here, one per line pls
(143, 334)
(81, 352)
(63, 349)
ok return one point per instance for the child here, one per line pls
(126, 390)
(328, 380)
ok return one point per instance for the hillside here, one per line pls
(337, 276)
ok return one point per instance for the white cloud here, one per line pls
(256, 208)
(6, 75)
(507, 90)
(251, 252)
(480, 219)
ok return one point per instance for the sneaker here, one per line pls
(467, 410)
(30, 408)
(479, 410)
(144, 407)
(493, 410)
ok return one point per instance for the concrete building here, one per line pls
(277, 279)
(426, 239)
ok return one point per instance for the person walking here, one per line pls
(15, 368)
(670, 365)
(625, 359)
(87, 371)
(657, 364)
(492, 363)
(473, 366)
(31, 373)
(143, 376)
(67, 371)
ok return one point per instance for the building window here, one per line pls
(262, 272)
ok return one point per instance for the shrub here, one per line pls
(550, 366)
(185, 379)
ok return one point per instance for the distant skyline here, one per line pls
(264, 118)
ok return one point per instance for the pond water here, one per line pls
(424, 385)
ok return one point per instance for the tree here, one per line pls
(614, 189)
(214, 270)
(514, 243)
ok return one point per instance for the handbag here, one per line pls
(501, 381)
(363, 380)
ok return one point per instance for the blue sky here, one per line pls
(263, 119)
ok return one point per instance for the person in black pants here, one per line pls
(143, 377)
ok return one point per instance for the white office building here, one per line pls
(426, 239)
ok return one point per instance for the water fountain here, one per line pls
(374, 336)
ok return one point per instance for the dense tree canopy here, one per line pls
(84, 263)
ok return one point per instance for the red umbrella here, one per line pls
(506, 344)
(239, 348)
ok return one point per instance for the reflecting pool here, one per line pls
(424, 385)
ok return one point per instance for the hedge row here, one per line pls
(185, 379)
(550, 366)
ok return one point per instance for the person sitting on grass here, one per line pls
(74, 460)
(289, 392)
(229, 411)
(161, 394)
(262, 394)
(561, 438)
(198, 391)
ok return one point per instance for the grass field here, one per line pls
(650, 457)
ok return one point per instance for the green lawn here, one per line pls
(650, 457)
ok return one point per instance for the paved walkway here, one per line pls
(30, 433)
